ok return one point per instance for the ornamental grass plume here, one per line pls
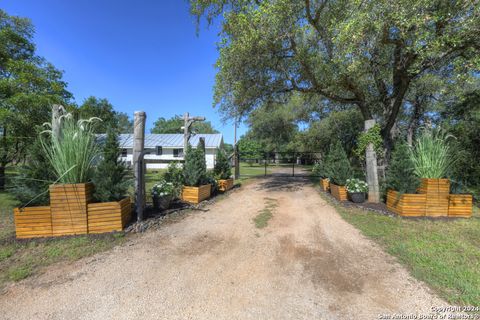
(431, 154)
(73, 152)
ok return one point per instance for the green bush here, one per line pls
(31, 185)
(400, 173)
(319, 169)
(338, 167)
(431, 155)
(111, 178)
(222, 169)
(195, 168)
(174, 175)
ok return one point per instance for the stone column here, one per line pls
(372, 173)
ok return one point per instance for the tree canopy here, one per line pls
(364, 54)
(175, 124)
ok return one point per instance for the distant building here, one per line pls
(161, 149)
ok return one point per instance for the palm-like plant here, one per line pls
(431, 155)
(72, 153)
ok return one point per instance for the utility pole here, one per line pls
(372, 173)
(187, 123)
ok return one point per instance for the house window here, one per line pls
(124, 153)
(177, 153)
(159, 151)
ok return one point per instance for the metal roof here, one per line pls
(169, 140)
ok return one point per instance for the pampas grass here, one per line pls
(72, 154)
(431, 155)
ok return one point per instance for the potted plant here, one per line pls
(339, 170)
(223, 172)
(163, 193)
(319, 170)
(357, 190)
(194, 173)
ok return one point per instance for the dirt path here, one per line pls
(306, 264)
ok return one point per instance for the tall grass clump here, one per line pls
(73, 152)
(431, 155)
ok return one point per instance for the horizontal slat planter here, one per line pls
(68, 204)
(324, 184)
(339, 192)
(460, 205)
(109, 216)
(437, 191)
(33, 222)
(411, 205)
(225, 184)
(196, 194)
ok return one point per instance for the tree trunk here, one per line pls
(2, 178)
(372, 173)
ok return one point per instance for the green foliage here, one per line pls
(29, 85)
(73, 153)
(250, 148)
(222, 169)
(175, 124)
(319, 169)
(195, 168)
(431, 155)
(400, 173)
(111, 177)
(338, 167)
(103, 109)
(373, 136)
(174, 175)
(31, 184)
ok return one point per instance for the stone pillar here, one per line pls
(138, 163)
(372, 173)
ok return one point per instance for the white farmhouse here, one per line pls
(164, 148)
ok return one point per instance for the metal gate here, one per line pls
(287, 164)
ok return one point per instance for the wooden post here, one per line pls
(372, 173)
(138, 163)
(237, 161)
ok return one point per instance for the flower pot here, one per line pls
(196, 194)
(325, 184)
(225, 184)
(338, 192)
(357, 197)
(162, 202)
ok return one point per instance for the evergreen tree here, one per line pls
(222, 169)
(338, 167)
(400, 173)
(111, 176)
(31, 185)
(195, 168)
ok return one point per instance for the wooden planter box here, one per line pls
(410, 205)
(68, 204)
(324, 184)
(196, 194)
(437, 201)
(339, 192)
(225, 184)
(33, 222)
(460, 205)
(109, 216)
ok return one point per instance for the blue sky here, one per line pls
(140, 55)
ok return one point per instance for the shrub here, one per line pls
(319, 169)
(210, 179)
(195, 168)
(72, 154)
(431, 155)
(356, 185)
(111, 177)
(31, 184)
(164, 188)
(222, 169)
(174, 175)
(338, 167)
(400, 174)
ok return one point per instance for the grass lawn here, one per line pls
(22, 258)
(445, 254)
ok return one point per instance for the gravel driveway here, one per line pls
(307, 263)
